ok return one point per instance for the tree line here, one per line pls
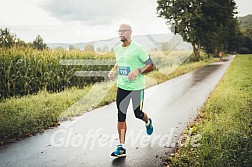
(245, 24)
(209, 25)
(9, 40)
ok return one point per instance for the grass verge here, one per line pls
(25, 116)
(224, 123)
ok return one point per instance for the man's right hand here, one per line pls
(111, 74)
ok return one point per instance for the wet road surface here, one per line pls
(90, 139)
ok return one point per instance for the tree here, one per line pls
(21, 43)
(220, 25)
(7, 39)
(71, 47)
(89, 47)
(245, 35)
(204, 23)
(38, 43)
(245, 24)
(245, 45)
(184, 16)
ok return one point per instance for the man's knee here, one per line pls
(139, 114)
(121, 116)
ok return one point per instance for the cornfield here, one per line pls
(27, 71)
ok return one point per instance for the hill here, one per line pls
(149, 42)
(245, 24)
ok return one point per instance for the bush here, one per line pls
(243, 50)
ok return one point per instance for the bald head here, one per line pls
(125, 26)
(124, 32)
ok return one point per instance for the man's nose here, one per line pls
(120, 33)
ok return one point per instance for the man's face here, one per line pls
(124, 33)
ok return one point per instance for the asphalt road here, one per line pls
(90, 139)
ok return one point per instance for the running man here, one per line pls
(132, 61)
(220, 55)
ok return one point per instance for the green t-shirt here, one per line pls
(129, 59)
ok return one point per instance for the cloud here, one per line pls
(244, 8)
(92, 12)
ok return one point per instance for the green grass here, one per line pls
(225, 122)
(25, 116)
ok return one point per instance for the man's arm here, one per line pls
(147, 68)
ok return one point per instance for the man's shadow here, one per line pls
(119, 161)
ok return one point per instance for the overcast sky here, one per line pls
(72, 21)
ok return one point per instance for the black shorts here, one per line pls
(122, 102)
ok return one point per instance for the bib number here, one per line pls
(124, 71)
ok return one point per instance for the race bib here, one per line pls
(124, 71)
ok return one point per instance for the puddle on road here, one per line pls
(202, 73)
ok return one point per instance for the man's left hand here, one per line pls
(133, 74)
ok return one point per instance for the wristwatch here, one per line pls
(139, 71)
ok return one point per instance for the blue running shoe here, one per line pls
(119, 152)
(149, 129)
